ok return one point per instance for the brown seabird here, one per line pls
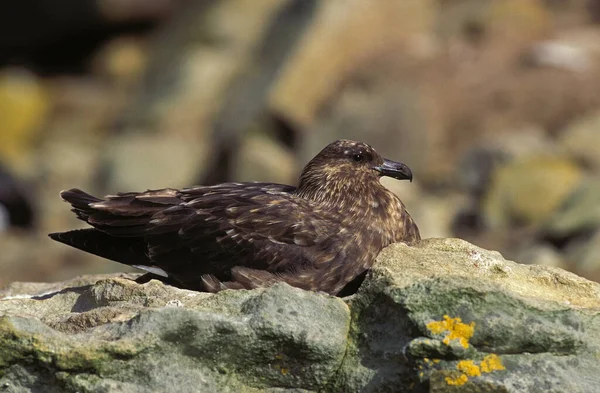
(318, 236)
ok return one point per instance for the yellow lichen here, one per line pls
(469, 368)
(491, 363)
(454, 328)
(458, 381)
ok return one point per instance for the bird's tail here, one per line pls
(126, 250)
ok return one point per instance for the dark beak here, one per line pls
(394, 169)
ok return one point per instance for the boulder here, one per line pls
(24, 104)
(580, 212)
(584, 254)
(513, 196)
(440, 316)
(582, 140)
(141, 161)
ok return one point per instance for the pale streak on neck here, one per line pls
(361, 195)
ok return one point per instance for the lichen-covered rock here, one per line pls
(451, 317)
(121, 336)
(441, 316)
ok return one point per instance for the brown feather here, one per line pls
(318, 236)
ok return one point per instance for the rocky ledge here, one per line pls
(442, 316)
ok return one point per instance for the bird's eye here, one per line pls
(358, 158)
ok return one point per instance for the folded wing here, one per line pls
(231, 235)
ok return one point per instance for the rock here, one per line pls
(442, 316)
(575, 50)
(159, 337)
(561, 56)
(475, 169)
(582, 140)
(477, 164)
(580, 212)
(138, 162)
(523, 142)
(371, 105)
(121, 60)
(434, 214)
(584, 253)
(455, 318)
(529, 190)
(24, 104)
(307, 81)
(507, 19)
(16, 208)
(261, 158)
(540, 254)
(197, 58)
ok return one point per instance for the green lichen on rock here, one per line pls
(261, 339)
(439, 316)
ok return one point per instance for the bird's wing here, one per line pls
(250, 233)
(248, 227)
(123, 214)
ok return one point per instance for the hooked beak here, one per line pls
(397, 170)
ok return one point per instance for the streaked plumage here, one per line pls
(318, 236)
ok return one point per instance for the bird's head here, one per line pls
(347, 167)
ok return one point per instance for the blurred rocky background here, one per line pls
(494, 104)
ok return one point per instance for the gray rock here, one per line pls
(582, 140)
(116, 335)
(539, 254)
(442, 316)
(261, 158)
(513, 196)
(579, 212)
(138, 161)
(505, 327)
(584, 252)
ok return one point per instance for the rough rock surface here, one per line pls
(442, 316)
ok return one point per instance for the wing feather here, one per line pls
(227, 236)
(237, 226)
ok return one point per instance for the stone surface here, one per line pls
(579, 212)
(138, 162)
(308, 80)
(582, 139)
(584, 254)
(197, 57)
(441, 316)
(121, 336)
(502, 323)
(529, 190)
(262, 159)
(24, 104)
(540, 254)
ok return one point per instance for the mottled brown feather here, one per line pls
(318, 236)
